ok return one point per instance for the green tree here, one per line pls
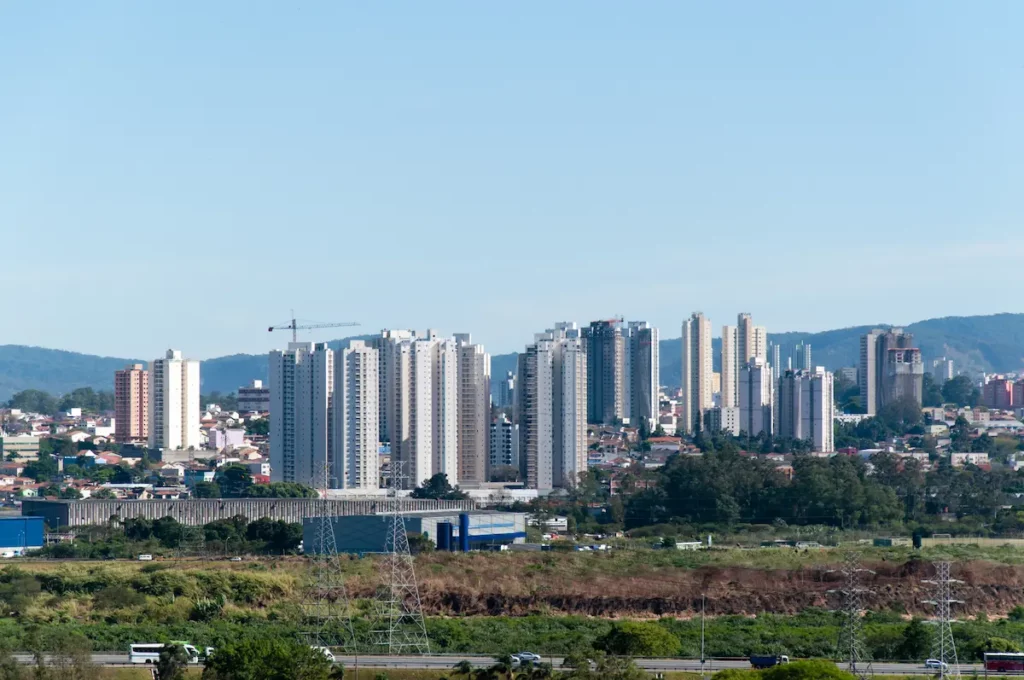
(637, 638)
(172, 663)
(438, 488)
(916, 641)
(960, 435)
(34, 401)
(72, 659)
(234, 481)
(258, 428)
(961, 391)
(806, 670)
(931, 393)
(267, 658)
(10, 668)
(206, 490)
(901, 414)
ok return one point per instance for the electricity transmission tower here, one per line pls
(400, 628)
(944, 648)
(851, 635)
(325, 612)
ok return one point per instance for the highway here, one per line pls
(445, 662)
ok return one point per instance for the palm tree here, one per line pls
(503, 667)
(463, 667)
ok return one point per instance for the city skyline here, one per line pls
(656, 126)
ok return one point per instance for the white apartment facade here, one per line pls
(174, 402)
(474, 407)
(356, 411)
(301, 427)
(420, 388)
(730, 382)
(643, 367)
(756, 397)
(551, 394)
(806, 408)
(696, 392)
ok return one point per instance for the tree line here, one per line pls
(726, 488)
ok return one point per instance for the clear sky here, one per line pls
(181, 174)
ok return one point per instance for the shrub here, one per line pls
(635, 638)
(206, 609)
(117, 597)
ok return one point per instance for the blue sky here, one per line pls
(182, 174)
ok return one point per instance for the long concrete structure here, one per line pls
(201, 511)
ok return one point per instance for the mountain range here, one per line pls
(993, 343)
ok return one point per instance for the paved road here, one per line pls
(439, 662)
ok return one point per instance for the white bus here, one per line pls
(150, 652)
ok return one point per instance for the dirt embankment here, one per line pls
(530, 584)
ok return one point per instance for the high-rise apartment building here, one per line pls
(942, 370)
(751, 341)
(254, 398)
(696, 393)
(730, 365)
(723, 419)
(173, 402)
(474, 405)
(790, 357)
(504, 448)
(868, 377)
(301, 414)
(356, 463)
(890, 368)
(551, 390)
(382, 343)
(756, 396)
(506, 395)
(420, 387)
(606, 372)
(642, 370)
(806, 408)
(131, 405)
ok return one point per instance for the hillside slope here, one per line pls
(976, 343)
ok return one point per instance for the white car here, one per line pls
(935, 663)
(328, 654)
(524, 657)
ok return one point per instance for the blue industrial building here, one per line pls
(20, 534)
(475, 530)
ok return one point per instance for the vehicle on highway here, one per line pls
(145, 558)
(236, 559)
(935, 663)
(328, 654)
(149, 652)
(1004, 662)
(767, 660)
(525, 657)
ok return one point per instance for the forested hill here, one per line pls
(976, 343)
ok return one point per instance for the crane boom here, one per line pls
(294, 327)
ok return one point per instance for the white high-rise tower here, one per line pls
(697, 370)
(174, 402)
(474, 405)
(551, 396)
(356, 410)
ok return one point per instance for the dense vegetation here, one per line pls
(166, 535)
(725, 488)
(85, 398)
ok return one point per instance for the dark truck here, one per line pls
(760, 661)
